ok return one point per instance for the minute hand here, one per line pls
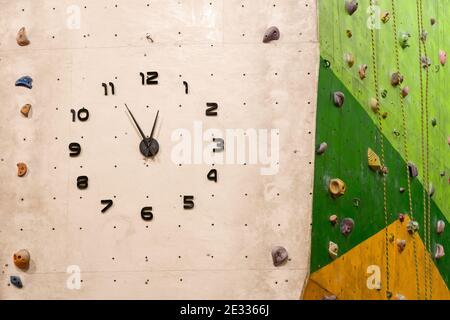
(154, 125)
(137, 125)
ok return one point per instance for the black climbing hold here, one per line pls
(347, 225)
(271, 34)
(338, 99)
(25, 81)
(351, 6)
(326, 64)
(434, 122)
(279, 256)
(413, 172)
(15, 281)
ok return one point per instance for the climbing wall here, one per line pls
(100, 220)
(365, 242)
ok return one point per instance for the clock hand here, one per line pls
(137, 125)
(154, 125)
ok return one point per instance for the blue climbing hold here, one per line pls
(25, 81)
(15, 281)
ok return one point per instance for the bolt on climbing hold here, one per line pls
(336, 187)
(25, 81)
(413, 172)
(322, 148)
(385, 17)
(426, 62)
(423, 36)
(25, 110)
(384, 115)
(349, 59)
(396, 79)
(373, 160)
(384, 93)
(333, 250)
(388, 294)
(16, 282)
(405, 91)
(279, 256)
(401, 217)
(22, 259)
(333, 219)
(401, 244)
(434, 122)
(271, 34)
(391, 237)
(440, 226)
(338, 99)
(356, 202)
(21, 169)
(399, 296)
(431, 190)
(374, 105)
(349, 33)
(351, 6)
(402, 189)
(442, 57)
(347, 225)
(412, 227)
(21, 38)
(442, 174)
(331, 297)
(403, 39)
(396, 133)
(362, 71)
(439, 251)
(432, 21)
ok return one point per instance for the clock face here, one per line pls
(158, 156)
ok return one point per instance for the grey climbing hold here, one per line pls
(279, 256)
(413, 172)
(338, 99)
(402, 190)
(403, 39)
(332, 297)
(396, 79)
(347, 225)
(362, 71)
(413, 226)
(322, 148)
(439, 252)
(426, 62)
(271, 34)
(16, 282)
(25, 81)
(349, 59)
(351, 6)
(440, 226)
(333, 250)
(423, 36)
(431, 190)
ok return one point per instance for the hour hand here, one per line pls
(137, 125)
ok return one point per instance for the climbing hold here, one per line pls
(402, 190)
(279, 256)
(401, 244)
(439, 252)
(405, 91)
(391, 237)
(384, 115)
(346, 226)
(384, 170)
(423, 36)
(413, 226)
(322, 148)
(25, 110)
(356, 202)
(349, 59)
(426, 62)
(442, 57)
(21, 38)
(362, 71)
(336, 187)
(440, 226)
(271, 34)
(21, 169)
(442, 174)
(374, 105)
(16, 282)
(338, 99)
(434, 122)
(333, 219)
(351, 6)
(349, 33)
(396, 133)
(399, 296)
(22, 259)
(404, 37)
(401, 217)
(433, 21)
(431, 189)
(373, 160)
(332, 297)
(25, 81)
(448, 140)
(333, 249)
(385, 17)
(413, 172)
(396, 79)
(388, 294)
(384, 93)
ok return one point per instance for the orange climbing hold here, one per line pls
(373, 160)
(25, 110)
(22, 259)
(21, 169)
(22, 39)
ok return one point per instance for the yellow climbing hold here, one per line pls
(374, 160)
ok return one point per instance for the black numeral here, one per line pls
(105, 86)
(75, 149)
(82, 182)
(151, 78)
(83, 114)
(220, 144)
(212, 175)
(211, 110)
(146, 213)
(108, 203)
(188, 202)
